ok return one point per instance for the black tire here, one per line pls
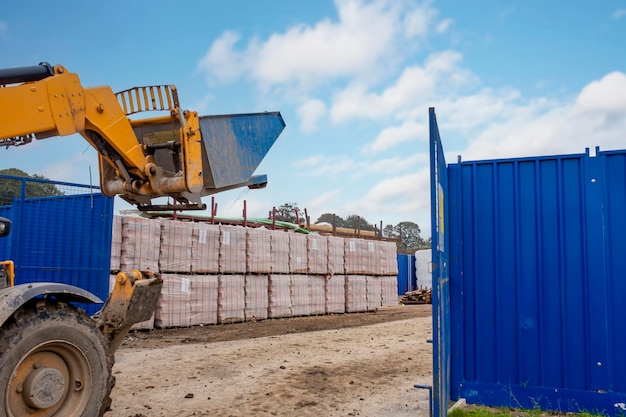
(54, 362)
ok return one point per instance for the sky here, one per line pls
(353, 80)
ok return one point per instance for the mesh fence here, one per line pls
(16, 189)
(61, 233)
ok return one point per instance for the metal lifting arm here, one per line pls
(43, 101)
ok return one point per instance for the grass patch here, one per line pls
(482, 411)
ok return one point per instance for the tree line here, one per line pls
(406, 233)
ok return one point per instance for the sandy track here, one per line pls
(359, 371)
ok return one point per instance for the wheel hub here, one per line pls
(43, 388)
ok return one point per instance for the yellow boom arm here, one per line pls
(43, 101)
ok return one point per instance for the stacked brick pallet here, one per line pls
(220, 274)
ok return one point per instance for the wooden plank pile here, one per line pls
(420, 296)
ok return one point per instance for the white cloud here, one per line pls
(222, 62)
(444, 25)
(395, 135)
(369, 36)
(400, 197)
(345, 167)
(618, 14)
(605, 95)
(441, 74)
(310, 113)
(596, 117)
(323, 203)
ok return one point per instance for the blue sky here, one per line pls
(353, 79)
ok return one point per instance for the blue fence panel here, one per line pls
(63, 238)
(536, 281)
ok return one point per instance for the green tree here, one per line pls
(408, 236)
(354, 221)
(10, 189)
(287, 212)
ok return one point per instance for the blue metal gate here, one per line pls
(440, 273)
(64, 236)
(537, 279)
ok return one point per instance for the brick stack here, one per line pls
(219, 274)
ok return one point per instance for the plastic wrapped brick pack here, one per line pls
(257, 297)
(423, 269)
(279, 251)
(143, 325)
(258, 255)
(232, 250)
(141, 240)
(279, 296)
(174, 254)
(317, 291)
(389, 290)
(317, 254)
(336, 255)
(356, 293)
(300, 295)
(205, 248)
(231, 298)
(336, 294)
(388, 259)
(374, 292)
(359, 256)
(297, 253)
(173, 307)
(116, 243)
(203, 302)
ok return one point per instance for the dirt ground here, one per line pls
(361, 364)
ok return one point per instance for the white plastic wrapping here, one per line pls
(388, 258)
(232, 250)
(257, 297)
(374, 292)
(174, 254)
(258, 255)
(317, 254)
(336, 255)
(205, 248)
(173, 307)
(187, 300)
(423, 269)
(279, 248)
(356, 293)
(336, 294)
(297, 253)
(389, 288)
(359, 256)
(116, 244)
(203, 300)
(280, 296)
(317, 292)
(141, 240)
(300, 295)
(231, 298)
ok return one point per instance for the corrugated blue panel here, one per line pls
(406, 273)
(62, 239)
(537, 281)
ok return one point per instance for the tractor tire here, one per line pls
(54, 362)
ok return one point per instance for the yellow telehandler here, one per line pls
(54, 359)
